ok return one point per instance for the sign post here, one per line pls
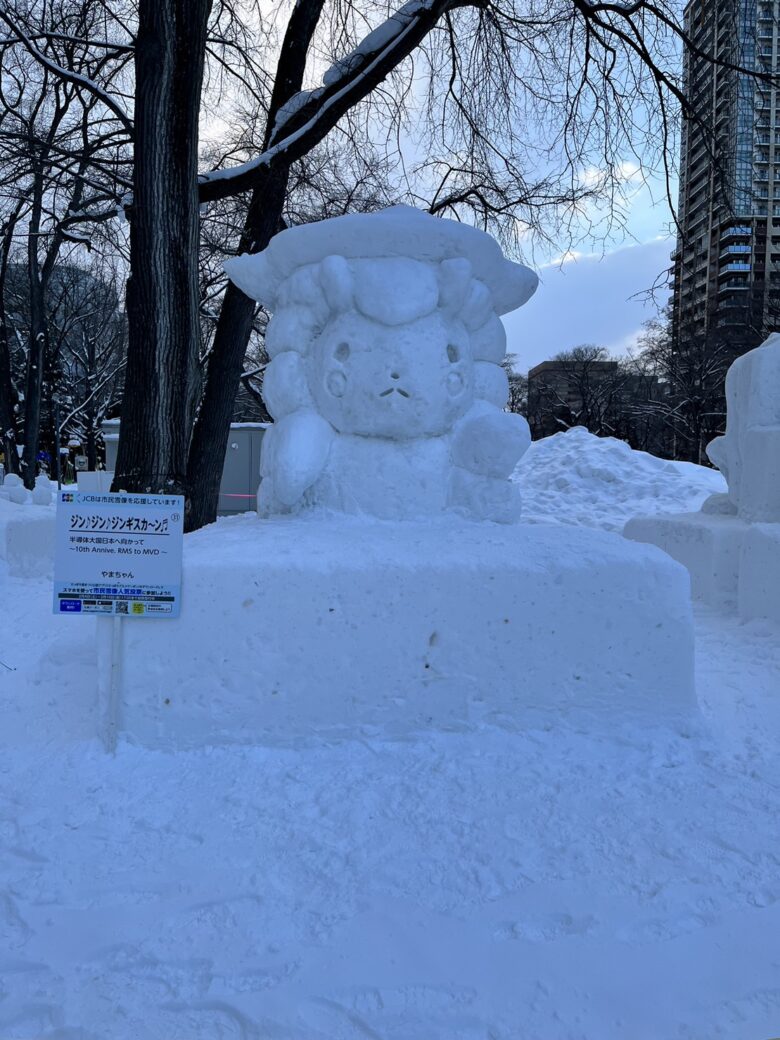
(117, 556)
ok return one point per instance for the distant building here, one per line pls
(564, 393)
(606, 397)
(726, 267)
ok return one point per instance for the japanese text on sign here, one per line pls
(118, 554)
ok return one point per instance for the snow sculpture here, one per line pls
(386, 387)
(748, 455)
(385, 381)
(14, 490)
(41, 493)
(732, 547)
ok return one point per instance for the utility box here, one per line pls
(241, 470)
(110, 428)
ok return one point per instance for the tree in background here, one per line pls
(691, 409)
(62, 156)
(520, 119)
(578, 387)
(85, 356)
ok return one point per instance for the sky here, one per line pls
(591, 297)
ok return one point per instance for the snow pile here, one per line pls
(577, 478)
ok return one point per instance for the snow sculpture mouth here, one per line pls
(395, 390)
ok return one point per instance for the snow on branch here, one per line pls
(308, 116)
(76, 78)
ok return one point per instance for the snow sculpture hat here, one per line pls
(400, 232)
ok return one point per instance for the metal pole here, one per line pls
(115, 677)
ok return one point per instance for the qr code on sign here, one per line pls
(121, 608)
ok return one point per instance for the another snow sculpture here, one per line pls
(748, 455)
(385, 379)
(732, 547)
(13, 489)
(41, 493)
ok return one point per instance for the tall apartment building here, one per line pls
(726, 267)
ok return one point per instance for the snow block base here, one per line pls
(707, 544)
(27, 542)
(759, 575)
(301, 628)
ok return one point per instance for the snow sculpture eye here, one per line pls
(453, 353)
(341, 352)
(337, 383)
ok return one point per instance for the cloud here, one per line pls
(588, 299)
(575, 256)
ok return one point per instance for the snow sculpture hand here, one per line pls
(385, 379)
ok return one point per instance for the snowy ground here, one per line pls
(551, 885)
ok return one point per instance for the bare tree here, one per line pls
(692, 406)
(578, 387)
(62, 156)
(522, 122)
(517, 400)
(88, 333)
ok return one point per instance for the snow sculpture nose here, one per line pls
(395, 375)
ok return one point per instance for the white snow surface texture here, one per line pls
(554, 884)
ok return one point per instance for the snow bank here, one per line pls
(578, 478)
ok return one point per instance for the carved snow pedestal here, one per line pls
(390, 586)
(732, 547)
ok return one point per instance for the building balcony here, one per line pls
(726, 288)
(736, 231)
(732, 251)
(734, 268)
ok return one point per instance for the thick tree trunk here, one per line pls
(9, 398)
(36, 358)
(212, 427)
(162, 292)
(8, 403)
(91, 446)
(92, 407)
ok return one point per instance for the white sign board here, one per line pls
(118, 554)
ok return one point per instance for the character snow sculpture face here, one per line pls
(402, 382)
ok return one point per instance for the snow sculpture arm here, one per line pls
(295, 451)
(489, 442)
(487, 445)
